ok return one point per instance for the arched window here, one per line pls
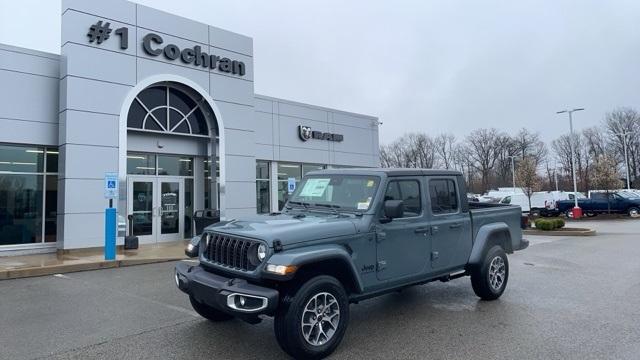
(169, 109)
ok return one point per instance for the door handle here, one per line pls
(455, 226)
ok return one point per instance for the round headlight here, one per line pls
(262, 252)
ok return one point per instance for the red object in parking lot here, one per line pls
(576, 212)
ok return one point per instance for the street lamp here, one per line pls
(626, 157)
(513, 172)
(577, 212)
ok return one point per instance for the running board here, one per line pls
(454, 276)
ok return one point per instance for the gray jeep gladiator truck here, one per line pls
(346, 235)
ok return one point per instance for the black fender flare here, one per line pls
(489, 235)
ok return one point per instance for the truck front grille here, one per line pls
(229, 251)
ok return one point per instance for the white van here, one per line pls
(543, 203)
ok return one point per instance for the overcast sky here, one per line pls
(432, 66)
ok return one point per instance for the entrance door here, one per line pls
(157, 208)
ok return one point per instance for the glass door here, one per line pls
(157, 208)
(170, 202)
(142, 208)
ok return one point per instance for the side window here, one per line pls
(506, 200)
(409, 192)
(443, 195)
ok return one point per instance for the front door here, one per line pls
(156, 205)
(403, 244)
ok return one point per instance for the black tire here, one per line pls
(288, 320)
(481, 281)
(209, 312)
(590, 214)
(569, 214)
(633, 212)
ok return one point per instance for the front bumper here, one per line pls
(224, 293)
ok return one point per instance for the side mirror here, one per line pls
(393, 209)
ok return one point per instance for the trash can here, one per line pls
(204, 218)
(130, 241)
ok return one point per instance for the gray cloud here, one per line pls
(432, 66)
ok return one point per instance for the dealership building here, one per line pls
(164, 104)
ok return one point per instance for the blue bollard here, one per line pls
(110, 234)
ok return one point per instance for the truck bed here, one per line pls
(489, 213)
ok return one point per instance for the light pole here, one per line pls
(573, 162)
(626, 157)
(513, 172)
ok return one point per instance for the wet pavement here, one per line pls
(567, 298)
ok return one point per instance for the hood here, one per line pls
(288, 228)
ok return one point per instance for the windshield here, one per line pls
(628, 195)
(344, 192)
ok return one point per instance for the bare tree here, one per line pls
(620, 121)
(482, 146)
(445, 146)
(528, 144)
(527, 177)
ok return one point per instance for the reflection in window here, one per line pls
(28, 195)
(263, 192)
(443, 195)
(286, 171)
(409, 192)
(141, 164)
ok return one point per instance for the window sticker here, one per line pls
(364, 205)
(370, 183)
(315, 187)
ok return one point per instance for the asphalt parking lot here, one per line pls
(567, 298)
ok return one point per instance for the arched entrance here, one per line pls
(171, 157)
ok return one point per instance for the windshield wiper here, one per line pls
(333, 206)
(304, 204)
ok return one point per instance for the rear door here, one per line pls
(403, 244)
(450, 224)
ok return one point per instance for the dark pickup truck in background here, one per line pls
(603, 203)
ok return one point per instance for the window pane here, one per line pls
(21, 158)
(136, 115)
(199, 123)
(153, 96)
(181, 101)
(283, 194)
(262, 170)
(141, 164)
(20, 209)
(52, 160)
(175, 165)
(443, 195)
(310, 167)
(50, 208)
(262, 191)
(409, 192)
(285, 171)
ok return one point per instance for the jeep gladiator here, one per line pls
(346, 235)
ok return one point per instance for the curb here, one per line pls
(97, 265)
(575, 232)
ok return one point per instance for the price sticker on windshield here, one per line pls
(315, 187)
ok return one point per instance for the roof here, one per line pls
(389, 171)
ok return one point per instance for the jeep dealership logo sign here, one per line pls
(152, 44)
(306, 133)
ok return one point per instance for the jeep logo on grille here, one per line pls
(306, 133)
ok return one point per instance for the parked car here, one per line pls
(346, 235)
(543, 203)
(602, 203)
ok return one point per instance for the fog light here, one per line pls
(242, 301)
(190, 247)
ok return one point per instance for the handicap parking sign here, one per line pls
(110, 185)
(291, 185)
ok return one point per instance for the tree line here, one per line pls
(484, 156)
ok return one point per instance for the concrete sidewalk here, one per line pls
(13, 267)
